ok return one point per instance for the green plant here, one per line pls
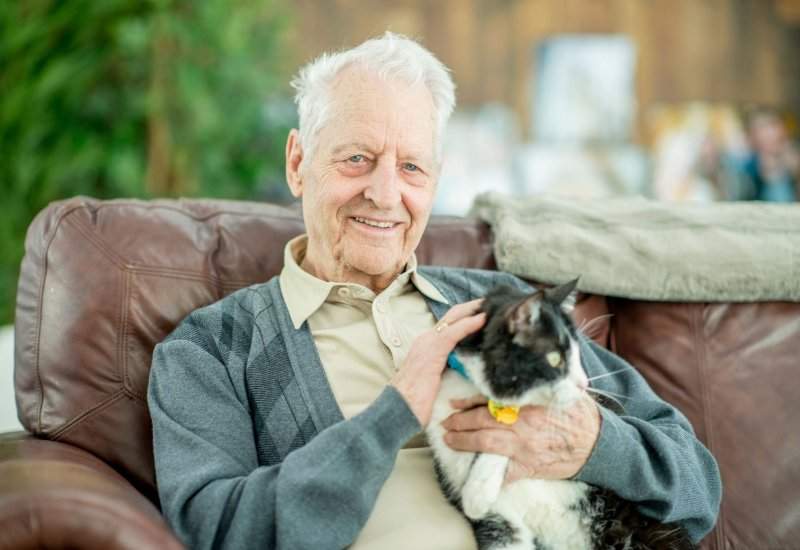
(133, 98)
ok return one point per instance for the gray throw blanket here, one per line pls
(642, 249)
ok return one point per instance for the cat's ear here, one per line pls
(564, 295)
(524, 313)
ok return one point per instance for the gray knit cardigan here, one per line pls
(252, 451)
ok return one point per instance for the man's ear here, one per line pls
(294, 158)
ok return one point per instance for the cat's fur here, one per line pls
(507, 361)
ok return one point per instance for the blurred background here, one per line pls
(681, 100)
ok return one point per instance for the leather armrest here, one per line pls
(54, 495)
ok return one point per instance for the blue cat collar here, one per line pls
(454, 363)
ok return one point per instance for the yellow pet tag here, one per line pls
(502, 413)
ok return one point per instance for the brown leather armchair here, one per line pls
(103, 282)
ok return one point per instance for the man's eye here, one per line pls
(357, 159)
(410, 167)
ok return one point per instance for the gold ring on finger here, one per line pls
(441, 325)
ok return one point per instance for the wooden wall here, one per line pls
(743, 51)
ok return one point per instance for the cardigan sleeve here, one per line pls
(649, 454)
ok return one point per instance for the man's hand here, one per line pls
(542, 444)
(420, 376)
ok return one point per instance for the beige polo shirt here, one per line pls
(363, 338)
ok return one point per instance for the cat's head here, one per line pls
(528, 348)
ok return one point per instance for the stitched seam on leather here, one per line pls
(40, 300)
(164, 206)
(122, 348)
(124, 325)
(126, 271)
(110, 400)
(122, 342)
(99, 243)
(696, 312)
(183, 274)
(140, 399)
(91, 236)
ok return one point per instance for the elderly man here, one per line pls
(289, 414)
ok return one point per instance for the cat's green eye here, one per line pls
(554, 359)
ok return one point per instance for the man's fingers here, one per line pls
(497, 441)
(469, 402)
(472, 419)
(460, 311)
(464, 309)
(454, 332)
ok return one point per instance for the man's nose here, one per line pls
(384, 186)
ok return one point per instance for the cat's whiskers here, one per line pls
(610, 373)
(606, 392)
(611, 395)
(587, 324)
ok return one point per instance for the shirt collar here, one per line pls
(304, 294)
(425, 286)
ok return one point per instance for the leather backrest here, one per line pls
(731, 368)
(103, 281)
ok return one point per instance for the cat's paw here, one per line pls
(483, 485)
(475, 505)
(478, 496)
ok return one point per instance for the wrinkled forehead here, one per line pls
(366, 108)
(359, 84)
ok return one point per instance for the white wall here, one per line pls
(8, 407)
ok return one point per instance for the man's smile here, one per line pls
(374, 225)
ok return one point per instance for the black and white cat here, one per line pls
(526, 354)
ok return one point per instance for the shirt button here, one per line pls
(344, 292)
(396, 341)
(381, 307)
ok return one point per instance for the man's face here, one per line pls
(369, 185)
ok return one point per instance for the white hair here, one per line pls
(388, 56)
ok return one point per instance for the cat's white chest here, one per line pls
(551, 510)
(456, 464)
(548, 511)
